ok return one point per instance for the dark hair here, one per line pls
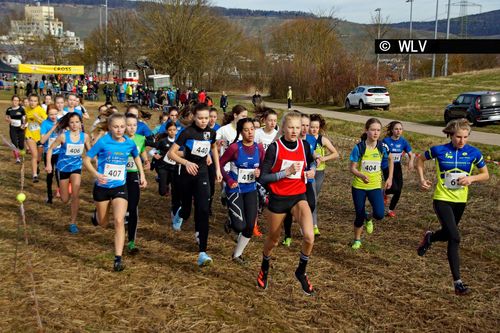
(173, 108)
(229, 116)
(58, 96)
(262, 112)
(170, 124)
(133, 106)
(213, 109)
(64, 121)
(239, 126)
(390, 127)
(160, 117)
(131, 115)
(15, 96)
(200, 107)
(368, 123)
(34, 95)
(319, 118)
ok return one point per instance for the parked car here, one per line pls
(478, 107)
(368, 96)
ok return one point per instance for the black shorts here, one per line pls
(65, 175)
(281, 204)
(105, 194)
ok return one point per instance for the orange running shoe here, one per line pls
(391, 213)
(256, 231)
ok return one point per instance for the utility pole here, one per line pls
(378, 36)
(435, 37)
(106, 41)
(447, 37)
(411, 22)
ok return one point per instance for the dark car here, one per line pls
(478, 107)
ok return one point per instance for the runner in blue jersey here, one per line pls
(455, 162)
(244, 157)
(48, 136)
(142, 127)
(112, 151)
(397, 146)
(69, 164)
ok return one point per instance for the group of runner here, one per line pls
(280, 166)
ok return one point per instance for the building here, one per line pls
(40, 21)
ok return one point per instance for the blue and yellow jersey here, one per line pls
(451, 164)
(369, 164)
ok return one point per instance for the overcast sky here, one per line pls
(360, 11)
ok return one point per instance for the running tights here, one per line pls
(242, 209)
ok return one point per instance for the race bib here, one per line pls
(168, 160)
(74, 149)
(451, 180)
(246, 176)
(114, 171)
(15, 122)
(131, 164)
(200, 148)
(287, 163)
(34, 126)
(396, 157)
(370, 166)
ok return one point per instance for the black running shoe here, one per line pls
(118, 266)
(305, 284)
(49, 200)
(240, 260)
(262, 280)
(223, 201)
(93, 218)
(425, 244)
(461, 289)
(35, 179)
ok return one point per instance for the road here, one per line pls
(476, 136)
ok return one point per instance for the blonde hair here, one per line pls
(455, 125)
(289, 116)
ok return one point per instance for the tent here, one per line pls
(4, 68)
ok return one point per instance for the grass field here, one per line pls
(423, 101)
(383, 287)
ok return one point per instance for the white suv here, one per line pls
(363, 96)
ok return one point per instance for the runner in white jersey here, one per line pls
(227, 133)
(267, 134)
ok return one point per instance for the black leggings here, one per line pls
(170, 177)
(50, 176)
(242, 209)
(311, 200)
(449, 215)
(197, 187)
(211, 179)
(17, 136)
(134, 194)
(397, 184)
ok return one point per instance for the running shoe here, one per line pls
(256, 231)
(197, 237)
(391, 213)
(131, 248)
(93, 218)
(461, 289)
(305, 284)
(240, 260)
(287, 241)
(369, 226)
(356, 244)
(73, 229)
(48, 200)
(262, 280)
(18, 160)
(425, 244)
(35, 179)
(177, 221)
(118, 266)
(386, 199)
(204, 259)
(316, 231)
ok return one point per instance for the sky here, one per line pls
(360, 11)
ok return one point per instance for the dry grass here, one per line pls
(382, 287)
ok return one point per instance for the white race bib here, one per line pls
(287, 163)
(200, 148)
(168, 160)
(370, 166)
(451, 180)
(15, 122)
(34, 126)
(131, 164)
(396, 157)
(74, 149)
(246, 176)
(114, 171)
